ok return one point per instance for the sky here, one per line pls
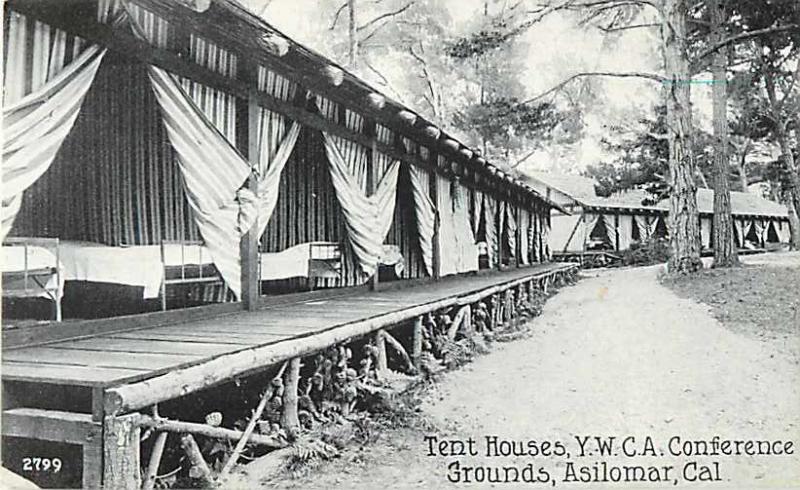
(557, 49)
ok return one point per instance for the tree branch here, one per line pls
(559, 86)
(625, 28)
(386, 15)
(742, 36)
(336, 16)
(264, 8)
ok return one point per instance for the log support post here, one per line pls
(381, 364)
(467, 327)
(416, 344)
(155, 457)
(289, 419)
(121, 452)
(199, 467)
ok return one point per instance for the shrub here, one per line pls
(649, 252)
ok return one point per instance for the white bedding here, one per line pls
(141, 265)
(135, 265)
(292, 262)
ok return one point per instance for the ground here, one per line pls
(619, 355)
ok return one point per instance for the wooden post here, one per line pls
(416, 350)
(248, 247)
(500, 216)
(371, 132)
(518, 235)
(121, 452)
(380, 344)
(199, 465)
(155, 457)
(434, 189)
(467, 323)
(289, 419)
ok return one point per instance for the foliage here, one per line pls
(309, 455)
(649, 252)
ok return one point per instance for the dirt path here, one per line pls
(616, 355)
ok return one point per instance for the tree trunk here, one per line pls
(725, 253)
(684, 232)
(351, 34)
(793, 197)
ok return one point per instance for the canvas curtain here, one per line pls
(747, 225)
(782, 229)
(511, 229)
(568, 229)
(274, 150)
(645, 229)
(367, 218)
(611, 230)
(760, 230)
(625, 231)
(467, 248)
(590, 221)
(738, 229)
(35, 125)
(524, 249)
(214, 175)
(546, 252)
(489, 209)
(425, 212)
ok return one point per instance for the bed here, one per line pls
(32, 269)
(37, 267)
(312, 260)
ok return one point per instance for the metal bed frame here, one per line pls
(32, 283)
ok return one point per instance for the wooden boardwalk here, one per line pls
(128, 356)
(86, 389)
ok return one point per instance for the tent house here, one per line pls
(614, 223)
(174, 151)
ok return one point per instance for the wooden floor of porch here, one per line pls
(128, 356)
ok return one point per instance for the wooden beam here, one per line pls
(407, 117)
(275, 44)
(333, 74)
(50, 425)
(196, 5)
(121, 453)
(376, 100)
(432, 132)
(179, 427)
(451, 144)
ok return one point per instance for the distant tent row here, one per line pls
(614, 223)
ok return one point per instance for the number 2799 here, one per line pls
(41, 464)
